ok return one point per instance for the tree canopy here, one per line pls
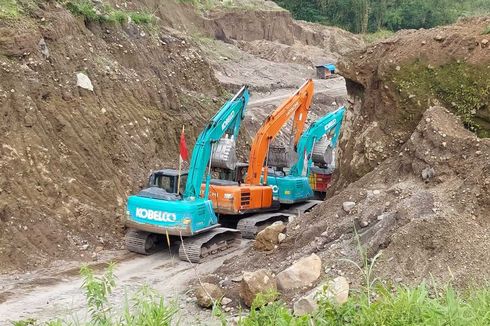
(362, 16)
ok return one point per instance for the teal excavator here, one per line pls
(295, 187)
(160, 210)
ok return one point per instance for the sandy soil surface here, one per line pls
(56, 292)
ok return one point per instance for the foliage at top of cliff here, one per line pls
(362, 16)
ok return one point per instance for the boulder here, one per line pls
(268, 238)
(428, 173)
(225, 301)
(207, 294)
(336, 290)
(348, 206)
(305, 305)
(302, 273)
(253, 283)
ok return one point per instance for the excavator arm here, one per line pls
(228, 119)
(299, 105)
(318, 129)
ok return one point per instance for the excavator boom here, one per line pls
(298, 104)
(229, 117)
(318, 129)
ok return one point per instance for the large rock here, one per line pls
(268, 238)
(207, 294)
(336, 290)
(302, 273)
(253, 283)
(84, 82)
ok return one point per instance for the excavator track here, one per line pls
(141, 242)
(302, 207)
(216, 241)
(250, 226)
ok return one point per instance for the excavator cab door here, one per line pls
(240, 172)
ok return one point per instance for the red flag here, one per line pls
(184, 155)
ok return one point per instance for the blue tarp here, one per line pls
(329, 66)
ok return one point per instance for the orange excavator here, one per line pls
(254, 195)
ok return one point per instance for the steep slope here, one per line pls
(394, 81)
(70, 156)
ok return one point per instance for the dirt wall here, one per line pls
(389, 98)
(70, 156)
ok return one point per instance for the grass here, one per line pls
(231, 4)
(9, 9)
(107, 14)
(460, 87)
(487, 30)
(398, 307)
(377, 36)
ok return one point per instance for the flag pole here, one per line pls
(180, 167)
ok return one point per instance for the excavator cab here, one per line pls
(168, 179)
(235, 175)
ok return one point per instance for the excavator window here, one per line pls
(166, 182)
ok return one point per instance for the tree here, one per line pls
(362, 16)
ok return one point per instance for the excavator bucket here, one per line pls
(281, 157)
(224, 155)
(322, 153)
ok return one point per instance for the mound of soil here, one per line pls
(424, 225)
(419, 178)
(390, 95)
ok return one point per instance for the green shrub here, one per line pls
(97, 290)
(148, 308)
(117, 16)
(377, 36)
(106, 13)
(9, 9)
(398, 307)
(85, 9)
(142, 18)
